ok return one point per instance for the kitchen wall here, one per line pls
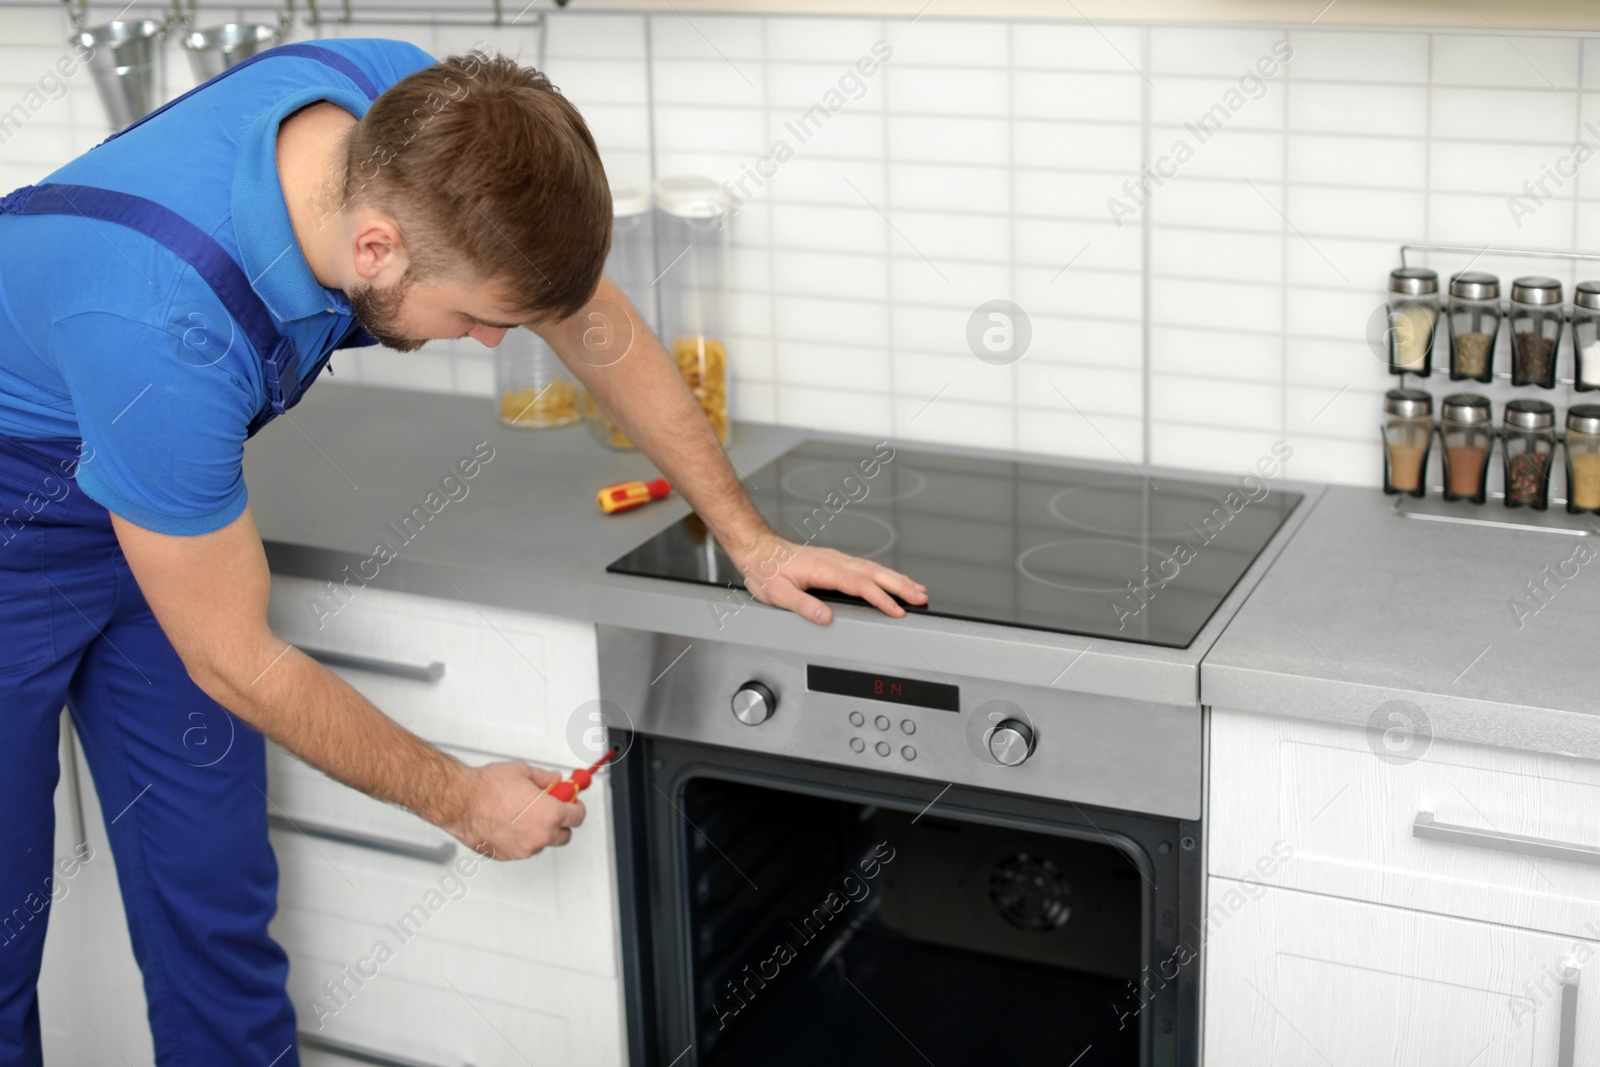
(1187, 315)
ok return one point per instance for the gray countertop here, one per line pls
(527, 535)
(1365, 607)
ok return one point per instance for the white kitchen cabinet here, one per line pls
(456, 673)
(1300, 980)
(1465, 830)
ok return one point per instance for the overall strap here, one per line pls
(326, 57)
(225, 278)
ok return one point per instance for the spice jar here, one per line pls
(1474, 319)
(1466, 424)
(533, 388)
(1413, 314)
(630, 265)
(1407, 434)
(1586, 336)
(692, 253)
(1583, 457)
(1536, 322)
(1530, 443)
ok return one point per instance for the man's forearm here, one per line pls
(316, 715)
(644, 393)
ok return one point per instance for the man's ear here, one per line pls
(379, 251)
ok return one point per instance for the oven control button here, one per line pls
(908, 726)
(857, 745)
(882, 748)
(908, 752)
(754, 704)
(1011, 742)
(856, 718)
(881, 722)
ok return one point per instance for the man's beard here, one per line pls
(378, 311)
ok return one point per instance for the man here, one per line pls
(161, 298)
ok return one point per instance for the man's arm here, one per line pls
(635, 381)
(210, 595)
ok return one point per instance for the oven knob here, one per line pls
(754, 704)
(1011, 742)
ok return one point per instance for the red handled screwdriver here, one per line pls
(569, 787)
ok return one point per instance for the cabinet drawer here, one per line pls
(350, 858)
(1299, 980)
(440, 1005)
(480, 677)
(1503, 836)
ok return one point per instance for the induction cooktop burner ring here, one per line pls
(1022, 567)
(845, 468)
(803, 536)
(1053, 506)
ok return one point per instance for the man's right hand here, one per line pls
(509, 816)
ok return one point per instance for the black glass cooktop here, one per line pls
(1110, 554)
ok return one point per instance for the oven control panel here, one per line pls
(1101, 750)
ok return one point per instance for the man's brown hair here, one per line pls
(480, 159)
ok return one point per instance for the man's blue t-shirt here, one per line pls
(107, 337)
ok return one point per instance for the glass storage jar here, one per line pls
(1413, 314)
(1407, 435)
(1586, 336)
(1530, 444)
(1583, 457)
(1536, 322)
(533, 389)
(692, 255)
(1466, 426)
(630, 265)
(1474, 319)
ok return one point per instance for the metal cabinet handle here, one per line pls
(1569, 1018)
(1424, 827)
(441, 853)
(414, 672)
(359, 1054)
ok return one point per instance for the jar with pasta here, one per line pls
(692, 216)
(533, 389)
(1413, 314)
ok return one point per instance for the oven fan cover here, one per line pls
(1030, 893)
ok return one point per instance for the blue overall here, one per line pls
(182, 783)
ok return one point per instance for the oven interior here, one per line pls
(823, 930)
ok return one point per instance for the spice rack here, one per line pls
(1493, 512)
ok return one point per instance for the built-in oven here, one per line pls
(822, 863)
(828, 858)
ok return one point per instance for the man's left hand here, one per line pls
(779, 572)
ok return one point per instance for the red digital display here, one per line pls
(869, 686)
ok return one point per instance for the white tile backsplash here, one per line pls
(990, 159)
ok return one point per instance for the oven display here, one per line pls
(888, 688)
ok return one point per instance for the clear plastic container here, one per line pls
(1586, 336)
(1536, 322)
(533, 389)
(1583, 458)
(1407, 436)
(1466, 425)
(1530, 445)
(1474, 320)
(1413, 316)
(692, 254)
(631, 265)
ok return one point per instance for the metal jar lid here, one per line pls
(1584, 418)
(1408, 403)
(1466, 407)
(1587, 295)
(1475, 285)
(1536, 290)
(1413, 281)
(1530, 415)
